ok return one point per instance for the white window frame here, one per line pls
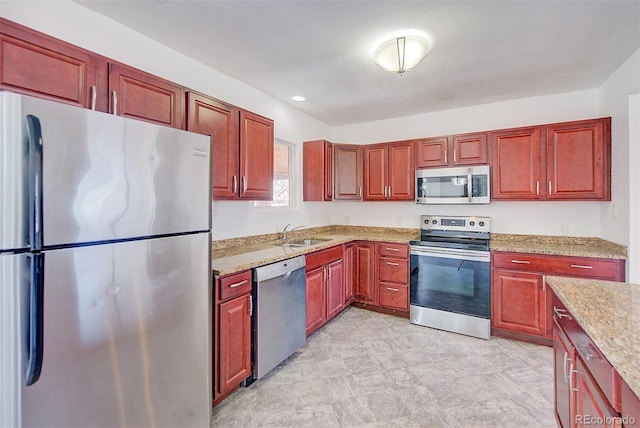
(293, 182)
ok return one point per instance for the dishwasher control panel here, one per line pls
(273, 270)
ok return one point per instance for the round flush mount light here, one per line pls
(298, 98)
(402, 52)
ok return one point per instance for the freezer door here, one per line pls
(108, 178)
(126, 336)
(13, 180)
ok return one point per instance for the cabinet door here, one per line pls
(519, 302)
(347, 172)
(335, 288)
(432, 152)
(590, 404)
(256, 157)
(579, 160)
(517, 168)
(235, 342)
(348, 273)
(41, 66)
(375, 172)
(562, 361)
(208, 116)
(139, 95)
(470, 149)
(364, 287)
(401, 174)
(317, 171)
(316, 308)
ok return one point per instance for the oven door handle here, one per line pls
(479, 256)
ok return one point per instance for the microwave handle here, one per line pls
(469, 184)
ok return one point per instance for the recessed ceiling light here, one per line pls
(298, 98)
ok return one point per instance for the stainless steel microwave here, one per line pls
(457, 185)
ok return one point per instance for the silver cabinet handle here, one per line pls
(238, 284)
(564, 366)
(455, 158)
(235, 183)
(582, 266)
(392, 249)
(587, 354)
(392, 289)
(360, 192)
(538, 188)
(561, 313)
(521, 262)
(389, 197)
(94, 94)
(549, 188)
(445, 155)
(571, 371)
(115, 102)
(393, 264)
(250, 305)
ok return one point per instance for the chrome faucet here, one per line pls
(285, 232)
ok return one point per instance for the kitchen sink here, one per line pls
(304, 242)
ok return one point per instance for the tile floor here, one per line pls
(366, 369)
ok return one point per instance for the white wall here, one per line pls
(77, 25)
(633, 264)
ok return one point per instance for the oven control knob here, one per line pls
(472, 223)
(481, 223)
(434, 221)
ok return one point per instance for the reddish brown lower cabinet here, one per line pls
(233, 309)
(519, 303)
(630, 407)
(364, 259)
(520, 299)
(349, 273)
(325, 287)
(587, 388)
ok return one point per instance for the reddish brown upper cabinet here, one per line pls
(242, 156)
(35, 64)
(347, 172)
(222, 122)
(564, 161)
(579, 160)
(389, 171)
(317, 171)
(256, 157)
(143, 96)
(463, 149)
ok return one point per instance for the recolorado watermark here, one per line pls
(607, 420)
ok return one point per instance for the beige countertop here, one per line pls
(557, 245)
(234, 255)
(609, 312)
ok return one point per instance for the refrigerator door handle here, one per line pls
(34, 136)
(34, 327)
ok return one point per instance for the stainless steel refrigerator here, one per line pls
(105, 271)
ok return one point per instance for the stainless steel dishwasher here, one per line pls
(280, 316)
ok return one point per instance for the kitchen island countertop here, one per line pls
(609, 312)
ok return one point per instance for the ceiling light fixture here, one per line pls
(298, 98)
(401, 54)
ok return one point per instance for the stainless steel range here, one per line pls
(450, 277)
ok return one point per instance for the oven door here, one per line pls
(451, 280)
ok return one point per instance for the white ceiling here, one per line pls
(483, 51)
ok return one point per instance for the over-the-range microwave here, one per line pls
(457, 185)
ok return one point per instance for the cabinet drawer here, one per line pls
(587, 267)
(601, 370)
(323, 257)
(394, 296)
(393, 270)
(399, 251)
(235, 284)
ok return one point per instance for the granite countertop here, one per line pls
(608, 312)
(557, 245)
(234, 255)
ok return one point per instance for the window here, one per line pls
(282, 174)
